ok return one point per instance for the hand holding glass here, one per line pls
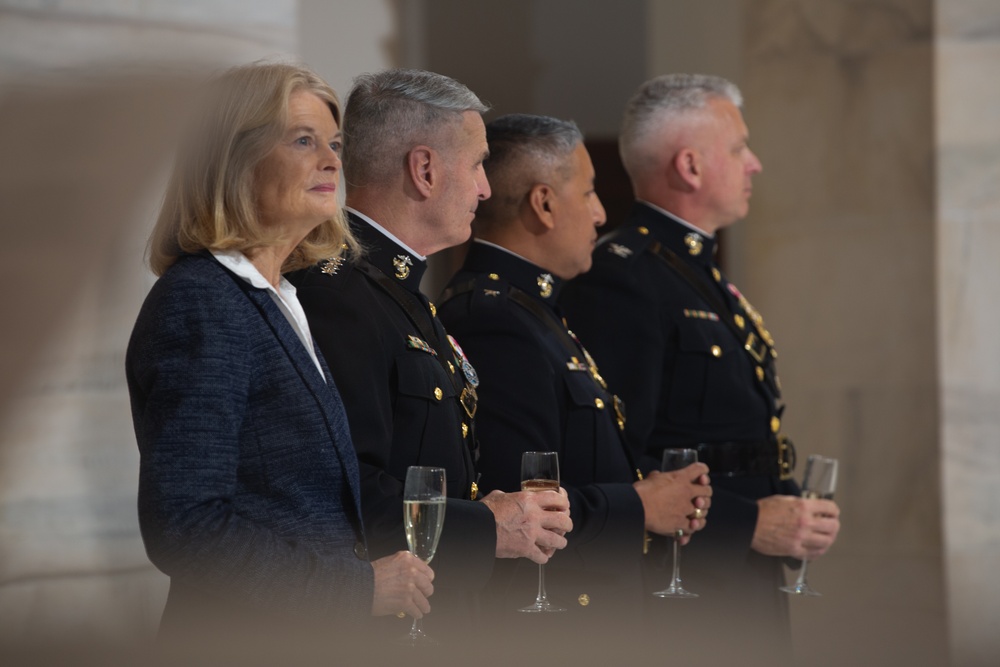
(540, 472)
(675, 459)
(820, 481)
(423, 519)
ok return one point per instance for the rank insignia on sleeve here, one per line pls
(700, 315)
(619, 249)
(415, 343)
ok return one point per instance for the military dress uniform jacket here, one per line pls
(539, 392)
(403, 388)
(694, 364)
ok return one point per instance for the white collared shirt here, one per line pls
(385, 232)
(678, 219)
(284, 297)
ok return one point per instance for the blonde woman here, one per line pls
(248, 486)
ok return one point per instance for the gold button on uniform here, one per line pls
(434, 310)
(716, 351)
(643, 231)
(493, 276)
(740, 322)
(465, 430)
(775, 424)
(760, 373)
(599, 403)
(584, 599)
(451, 368)
(438, 393)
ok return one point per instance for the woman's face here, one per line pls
(297, 181)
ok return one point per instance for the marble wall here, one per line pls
(967, 107)
(838, 254)
(840, 246)
(81, 179)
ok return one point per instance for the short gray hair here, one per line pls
(390, 112)
(524, 150)
(661, 100)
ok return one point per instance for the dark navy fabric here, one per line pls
(687, 379)
(538, 395)
(248, 482)
(402, 402)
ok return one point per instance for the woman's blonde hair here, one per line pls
(210, 202)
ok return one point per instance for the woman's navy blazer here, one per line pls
(248, 482)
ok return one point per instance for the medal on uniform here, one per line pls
(415, 343)
(463, 362)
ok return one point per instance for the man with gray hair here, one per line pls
(694, 360)
(542, 391)
(413, 162)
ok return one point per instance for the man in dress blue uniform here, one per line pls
(413, 163)
(542, 391)
(694, 360)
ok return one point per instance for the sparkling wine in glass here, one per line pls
(540, 472)
(423, 519)
(820, 481)
(675, 459)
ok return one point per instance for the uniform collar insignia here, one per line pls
(545, 282)
(694, 243)
(402, 264)
(619, 249)
(331, 265)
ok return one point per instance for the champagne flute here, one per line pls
(820, 481)
(423, 518)
(540, 472)
(675, 459)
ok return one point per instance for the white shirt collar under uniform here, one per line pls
(284, 297)
(392, 237)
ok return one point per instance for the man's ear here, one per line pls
(420, 168)
(686, 170)
(541, 198)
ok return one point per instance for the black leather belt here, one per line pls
(738, 459)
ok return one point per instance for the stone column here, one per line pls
(840, 248)
(81, 182)
(967, 106)
(838, 254)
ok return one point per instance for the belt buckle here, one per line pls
(786, 457)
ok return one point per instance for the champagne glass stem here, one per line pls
(802, 576)
(417, 629)
(675, 579)
(542, 596)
